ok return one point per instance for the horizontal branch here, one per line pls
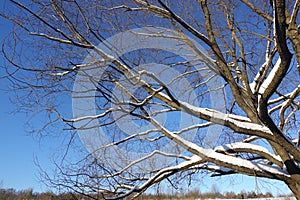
(250, 148)
(238, 164)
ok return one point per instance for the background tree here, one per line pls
(253, 47)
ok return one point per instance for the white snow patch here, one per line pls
(273, 198)
(270, 77)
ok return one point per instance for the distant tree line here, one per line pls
(210, 195)
(12, 194)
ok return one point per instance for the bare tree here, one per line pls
(162, 90)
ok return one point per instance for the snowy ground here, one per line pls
(275, 198)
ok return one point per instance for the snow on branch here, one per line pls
(250, 148)
(241, 165)
(238, 124)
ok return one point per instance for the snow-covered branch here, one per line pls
(250, 148)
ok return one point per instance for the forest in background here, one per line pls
(29, 194)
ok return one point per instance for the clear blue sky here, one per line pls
(18, 151)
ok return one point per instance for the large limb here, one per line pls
(293, 32)
(283, 145)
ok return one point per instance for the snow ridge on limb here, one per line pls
(283, 146)
(203, 157)
(250, 148)
(237, 123)
(238, 164)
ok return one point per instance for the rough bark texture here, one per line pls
(294, 185)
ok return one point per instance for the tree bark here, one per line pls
(294, 185)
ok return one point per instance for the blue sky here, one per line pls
(18, 150)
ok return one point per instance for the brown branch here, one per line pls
(258, 11)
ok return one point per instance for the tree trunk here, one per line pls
(294, 185)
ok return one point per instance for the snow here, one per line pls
(270, 77)
(241, 165)
(249, 147)
(240, 124)
(273, 198)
